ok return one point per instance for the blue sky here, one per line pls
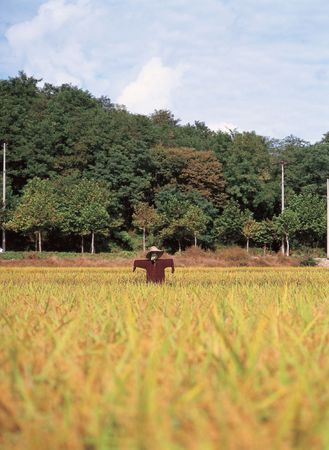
(251, 64)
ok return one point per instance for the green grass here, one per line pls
(11, 255)
(216, 358)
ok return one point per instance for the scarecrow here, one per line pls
(154, 266)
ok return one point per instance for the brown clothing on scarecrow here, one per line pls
(155, 267)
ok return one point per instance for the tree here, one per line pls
(311, 211)
(165, 126)
(171, 207)
(190, 170)
(144, 217)
(85, 206)
(183, 217)
(308, 165)
(18, 99)
(188, 225)
(196, 222)
(247, 170)
(197, 136)
(176, 230)
(229, 225)
(95, 220)
(37, 210)
(287, 223)
(265, 234)
(127, 169)
(249, 230)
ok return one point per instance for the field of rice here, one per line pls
(95, 359)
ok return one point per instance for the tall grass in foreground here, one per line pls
(215, 359)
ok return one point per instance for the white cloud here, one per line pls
(226, 127)
(51, 44)
(153, 88)
(51, 17)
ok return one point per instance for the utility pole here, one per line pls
(4, 195)
(282, 198)
(328, 219)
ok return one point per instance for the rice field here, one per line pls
(94, 359)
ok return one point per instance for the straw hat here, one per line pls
(154, 249)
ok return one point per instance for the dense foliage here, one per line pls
(80, 167)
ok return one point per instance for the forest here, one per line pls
(85, 174)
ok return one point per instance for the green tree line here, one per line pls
(82, 170)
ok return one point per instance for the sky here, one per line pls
(258, 65)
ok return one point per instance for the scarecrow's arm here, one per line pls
(169, 263)
(141, 263)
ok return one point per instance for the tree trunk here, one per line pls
(247, 245)
(82, 244)
(195, 240)
(282, 246)
(3, 239)
(92, 242)
(40, 241)
(144, 239)
(264, 250)
(288, 246)
(36, 241)
(179, 247)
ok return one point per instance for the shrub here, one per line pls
(309, 261)
(235, 255)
